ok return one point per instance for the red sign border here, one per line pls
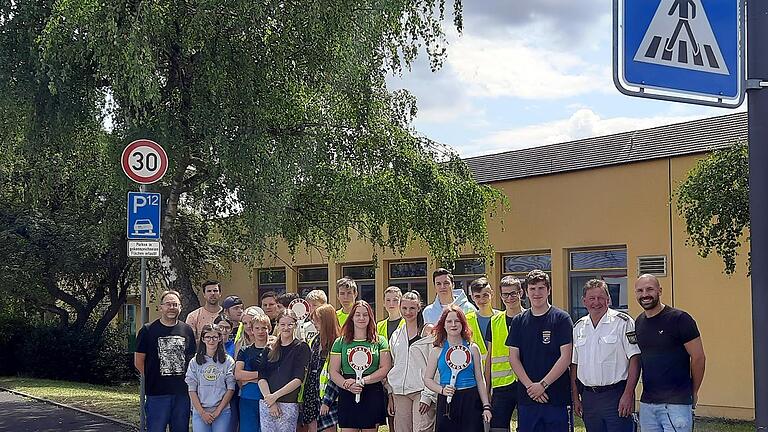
(124, 162)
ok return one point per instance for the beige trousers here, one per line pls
(407, 416)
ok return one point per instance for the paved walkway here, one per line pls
(20, 414)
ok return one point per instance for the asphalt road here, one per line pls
(20, 414)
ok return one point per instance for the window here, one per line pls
(365, 277)
(271, 279)
(312, 278)
(465, 270)
(409, 276)
(519, 264)
(609, 265)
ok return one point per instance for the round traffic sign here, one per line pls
(144, 161)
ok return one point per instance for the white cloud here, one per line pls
(584, 123)
(515, 68)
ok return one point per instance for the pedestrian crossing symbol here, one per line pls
(680, 35)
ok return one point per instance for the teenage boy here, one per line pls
(541, 343)
(210, 309)
(482, 294)
(446, 295)
(499, 376)
(346, 292)
(394, 320)
(164, 348)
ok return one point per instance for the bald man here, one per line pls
(672, 359)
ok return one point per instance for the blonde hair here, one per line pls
(393, 289)
(317, 296)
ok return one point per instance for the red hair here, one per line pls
(348, 329)
(439, 330)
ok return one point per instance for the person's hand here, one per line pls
(324, 409)
(270, 399)
(626, 404)
(217, 412)
(449, 390)
(423, 408)
(390, 406)
(348, 383)
(274, 411)
(487, 415)
(544, 398)
(535, 390)
(207, 417)
(578, 409)
(356, 388)
(695, 400)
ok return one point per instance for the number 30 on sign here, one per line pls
(144, 161)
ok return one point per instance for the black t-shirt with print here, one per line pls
(168, 352)
(665, 361)
(539, 339)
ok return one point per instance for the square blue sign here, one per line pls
(692, 47)
(143, 216)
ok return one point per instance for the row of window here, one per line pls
(609, 264)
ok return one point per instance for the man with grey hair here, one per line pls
(672, 358)
(605, 365)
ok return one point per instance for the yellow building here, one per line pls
(598, 207)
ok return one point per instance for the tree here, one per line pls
(275, 114)
(714, 201)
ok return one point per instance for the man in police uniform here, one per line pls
(605, 364)
(499, 377)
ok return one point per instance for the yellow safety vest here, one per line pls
(501, 370)
(342, 316)
(381, 327)
(477, 336)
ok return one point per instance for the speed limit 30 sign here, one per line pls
(144, 161)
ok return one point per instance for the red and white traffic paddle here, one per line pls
(457, 357)
(360, 358)
(300, 307)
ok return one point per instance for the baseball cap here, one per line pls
(230, 301)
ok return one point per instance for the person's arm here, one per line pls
(481, 388)
(385, 364)
(429, 372)
(627, 401)
(138, 361)
(695, 349)
(517, 367)
(537, 390)
(575, 398)
(140, 356)
(230, 382)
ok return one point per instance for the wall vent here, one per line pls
(654, 264)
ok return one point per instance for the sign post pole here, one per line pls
(144, 319)
(757, 43)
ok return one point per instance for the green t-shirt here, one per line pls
(342, 348)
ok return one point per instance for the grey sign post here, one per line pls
(144, 162)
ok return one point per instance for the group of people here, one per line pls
(451, 366)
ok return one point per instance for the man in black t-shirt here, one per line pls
(164, 348)
(541, 343)
(672, 359)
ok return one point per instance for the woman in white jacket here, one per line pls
(411, 403)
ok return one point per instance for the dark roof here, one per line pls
(659, 142)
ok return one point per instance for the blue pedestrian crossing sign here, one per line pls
(681, 50)
(143, 216)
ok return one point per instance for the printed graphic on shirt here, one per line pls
(170, 351)
(211, 373)
(546, 336)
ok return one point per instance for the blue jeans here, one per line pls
(220, 424)
(168, 410)
(544, 418)
(249, 415)
(666, 417)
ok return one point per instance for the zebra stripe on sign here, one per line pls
(680, 36)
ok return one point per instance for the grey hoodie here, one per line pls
(211, 380)
(432, 312)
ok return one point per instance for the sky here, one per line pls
(525, 73)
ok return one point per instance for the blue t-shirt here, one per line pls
(465, 378)
(483, 322)
(254, 360)
(539, 339)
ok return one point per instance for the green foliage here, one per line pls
(714, 201)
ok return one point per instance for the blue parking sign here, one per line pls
(143, 215)
(684, 50)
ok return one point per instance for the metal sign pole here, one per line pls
(757, 67)
(144, 319)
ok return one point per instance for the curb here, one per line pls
(70, 407)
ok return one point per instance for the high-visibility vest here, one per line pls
(381, 327)
(477, 336)
(501, 369)
(342, 316)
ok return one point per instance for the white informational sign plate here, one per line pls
(143, 249)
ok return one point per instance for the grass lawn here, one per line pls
(123, 402)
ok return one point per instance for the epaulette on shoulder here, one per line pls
(580, 320)
(623, 316)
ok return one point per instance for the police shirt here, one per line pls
(603, 352)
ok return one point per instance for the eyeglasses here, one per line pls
(210, 337)
(510, 294)
(172, 305)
